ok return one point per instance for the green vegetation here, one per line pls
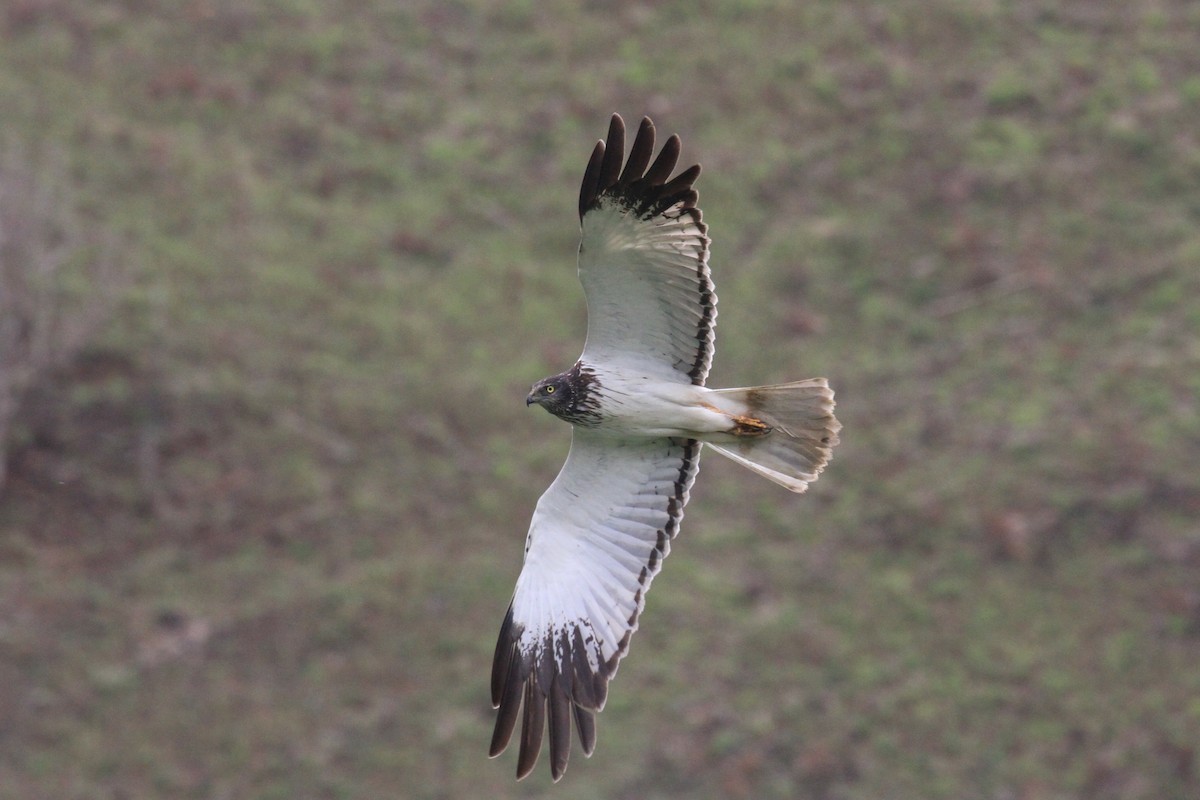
(257, 539)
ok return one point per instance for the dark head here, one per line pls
(568, 395)
(551, 393)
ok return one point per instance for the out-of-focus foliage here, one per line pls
(257, 539)
(58, 281)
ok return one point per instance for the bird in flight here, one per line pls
(640, 413)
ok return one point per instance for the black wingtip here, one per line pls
(509, 704)
(639, 156)
(519, 691)
(614, 152)
(668, 157)
(508, 674)
(585, 723)
(648, 192)
(531, 729)
(590, 187)
(503, 657)
(560, 729)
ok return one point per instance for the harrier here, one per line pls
(640, 413)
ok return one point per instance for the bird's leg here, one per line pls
(742, 424)
(749, 426)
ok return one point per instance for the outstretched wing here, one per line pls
(598, 538)
(643, 260)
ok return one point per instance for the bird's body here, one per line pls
(640, 414)
(638, 405)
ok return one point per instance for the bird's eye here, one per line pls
(549, 390)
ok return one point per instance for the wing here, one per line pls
(599, 535)
(643, 260)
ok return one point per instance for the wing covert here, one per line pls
(643, 260)
(598, 538)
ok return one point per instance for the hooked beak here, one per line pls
(530, 400)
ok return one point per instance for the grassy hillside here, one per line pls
(258, 538)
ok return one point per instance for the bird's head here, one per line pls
(571, 396)
(555, 394)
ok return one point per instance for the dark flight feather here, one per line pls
(647, 193)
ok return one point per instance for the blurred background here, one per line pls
(276, 276)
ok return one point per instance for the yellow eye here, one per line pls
(549, 390)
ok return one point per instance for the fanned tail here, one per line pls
(802, 431)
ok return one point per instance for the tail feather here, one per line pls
(803, 431)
